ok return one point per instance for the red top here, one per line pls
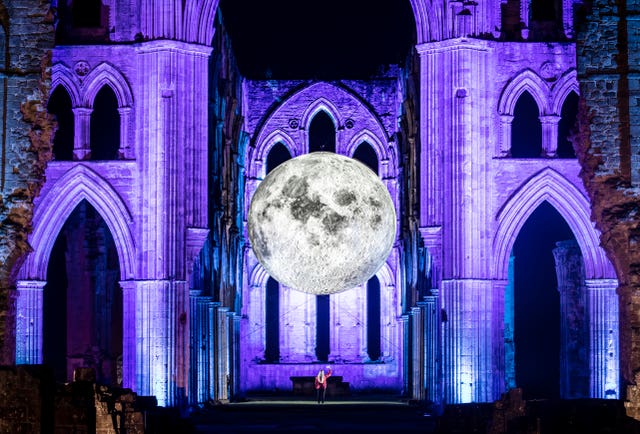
(322, 383)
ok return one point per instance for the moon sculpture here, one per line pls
(322, 223)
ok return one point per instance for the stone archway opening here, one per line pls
(545, 310)
(82, 306)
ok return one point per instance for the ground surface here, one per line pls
(304, 415)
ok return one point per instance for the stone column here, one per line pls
(505, 137)
(158, 310)
(173, 171)
(82, 132)
(574, 366)
(524, 19)
(129, 344)
(417, 359)
(467, 350)
(222, 354)
(432, 346)
(29, 322)
(504, 367)
(603, 338)
(127, 150)
(234, 354)
(200, 350)
(550, 134)
(406, 361)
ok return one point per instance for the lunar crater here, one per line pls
(295, 187)
(344, 197)
(304, 207)
(334, 222)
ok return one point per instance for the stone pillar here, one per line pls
(603, 338)
(127, 150)
(202, 355)
(222, 353)
(211, 340)
(432, 346)
(550, 134)
(406, 362)
(199, 350)
(504, 367)
(82, 132)
(574, 366)
(157, 312)
(505, 137)
(29, 322)
(524, 19)
(234, 354)
(173, 170)
(467, 351)
(129, 339)
(418, 353)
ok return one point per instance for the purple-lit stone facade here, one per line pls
(357, 121)
(476, 198)
(183, 340)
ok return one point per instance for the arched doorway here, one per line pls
(546, 304)
(82, 306)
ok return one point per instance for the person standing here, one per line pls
(321, 384)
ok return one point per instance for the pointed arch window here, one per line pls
(365, 154)
(322, 138)
(59, 105)
(373, 319)
(526, 129)
(323, 313)
(105, 126)
(322, 133)
(272, 321)
(566, 125)
(277, 155)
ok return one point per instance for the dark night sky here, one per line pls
(318, 39)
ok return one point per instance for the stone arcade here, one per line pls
(138, 221)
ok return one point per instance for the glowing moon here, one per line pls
(322, 223)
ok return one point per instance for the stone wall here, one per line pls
(25, 145)
(608, 146)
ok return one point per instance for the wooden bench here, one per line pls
(305, 386)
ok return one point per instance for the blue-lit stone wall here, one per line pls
(609, 152)
(26, 40)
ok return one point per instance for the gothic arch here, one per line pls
(51, 213)
(321, 104)
(274, 121)
(423, 17)
(378, 146)
(548, 185)
(105, 74)
(385, 275)
(263, 147)
(199, 17)
(567, 84)
(258, 276)
(529, 81)
(61, 75)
